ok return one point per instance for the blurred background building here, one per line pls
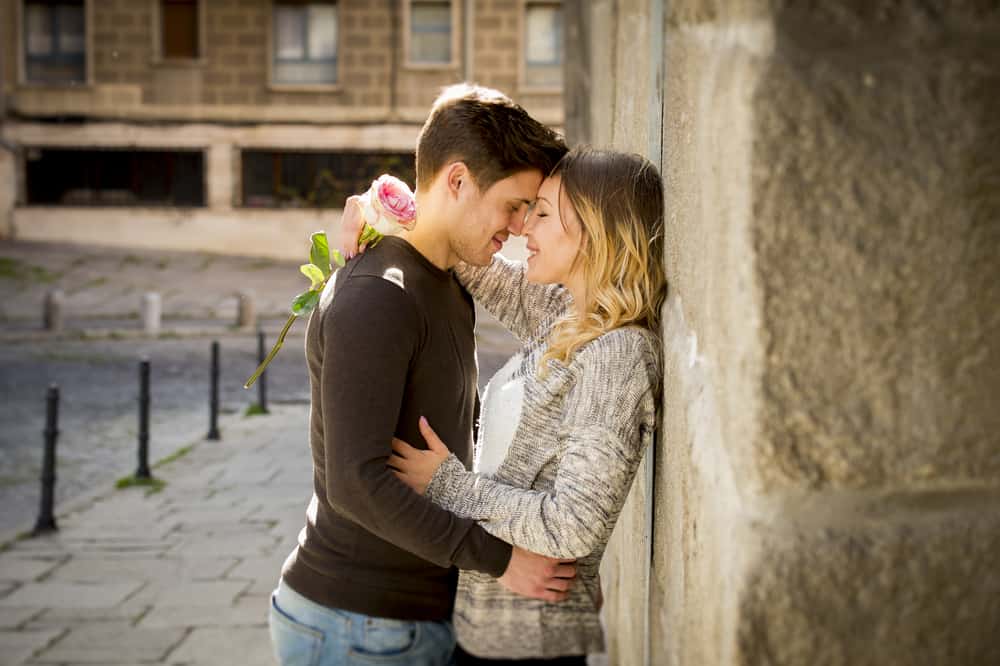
(238, 126)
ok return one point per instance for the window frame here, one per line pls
(279, 86)
(21, 43)
(522, 56)
(456, 40)
(157, 33)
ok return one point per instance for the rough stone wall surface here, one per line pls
(122, 42)
(626, 568)
(236, 58)
(8, 189)
(8, 35)
(882, 279)
(826, 486)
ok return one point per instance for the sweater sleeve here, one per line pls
(502, 288)
(608, 424)
(369, 335)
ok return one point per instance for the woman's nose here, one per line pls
(527, 222)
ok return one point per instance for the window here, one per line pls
(273, 179)
(55, 42)
(543, 45)
(305, 43)
(86, 177)
(430, 33)
(179, 29)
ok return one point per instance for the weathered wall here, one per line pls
(827, 483)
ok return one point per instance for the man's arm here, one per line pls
(370, 334)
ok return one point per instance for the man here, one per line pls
(374, 574)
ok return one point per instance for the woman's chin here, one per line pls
(535, 277)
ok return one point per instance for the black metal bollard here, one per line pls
(262, 382)
(142, 471)
(213, 398)
(46, 520)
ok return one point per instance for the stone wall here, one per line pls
(826, 488)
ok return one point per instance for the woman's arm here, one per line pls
(501, 288)
(609, 423)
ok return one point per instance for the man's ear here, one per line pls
(457, 179)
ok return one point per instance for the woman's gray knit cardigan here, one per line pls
(582, 433)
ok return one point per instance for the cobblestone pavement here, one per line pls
(179, 576)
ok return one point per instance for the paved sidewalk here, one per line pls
(104, 286)
(180, 576)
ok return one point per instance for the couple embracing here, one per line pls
(408, 546)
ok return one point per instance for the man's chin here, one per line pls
(480, 259)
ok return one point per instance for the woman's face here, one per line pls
(553, 240)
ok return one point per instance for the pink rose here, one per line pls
(389, 206)
(396, 199)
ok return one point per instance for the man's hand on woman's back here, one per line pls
(539, 577)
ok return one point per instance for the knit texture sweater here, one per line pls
(583, 429)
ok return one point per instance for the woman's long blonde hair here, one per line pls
(618, 198)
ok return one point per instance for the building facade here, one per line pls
(237, 125)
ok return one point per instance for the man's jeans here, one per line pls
(304, 633)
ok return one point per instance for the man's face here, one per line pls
(491, 216)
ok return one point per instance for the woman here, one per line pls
(565, 422)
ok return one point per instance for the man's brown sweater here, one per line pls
(392, 340)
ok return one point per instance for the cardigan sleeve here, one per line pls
(608, 424)
(502, 288)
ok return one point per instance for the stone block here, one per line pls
(111, 643)
(227, 546)
(229, 20)
(161, 570)
(69, 595)
(12, 618)
(258, 568)
(22, 570)
(246, 612)
(900, 592)
(18, 646)
(250, 646)
(201, 593)
(130, 611)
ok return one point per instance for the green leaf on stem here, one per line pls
(338, 258)
(319, 254)
(305, 302)
(315, 275)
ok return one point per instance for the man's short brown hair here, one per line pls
(486, 130)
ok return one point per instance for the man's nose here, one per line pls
(516, 224)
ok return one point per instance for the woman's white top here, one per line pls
(500, 415)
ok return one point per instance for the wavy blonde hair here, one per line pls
(618, 199)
